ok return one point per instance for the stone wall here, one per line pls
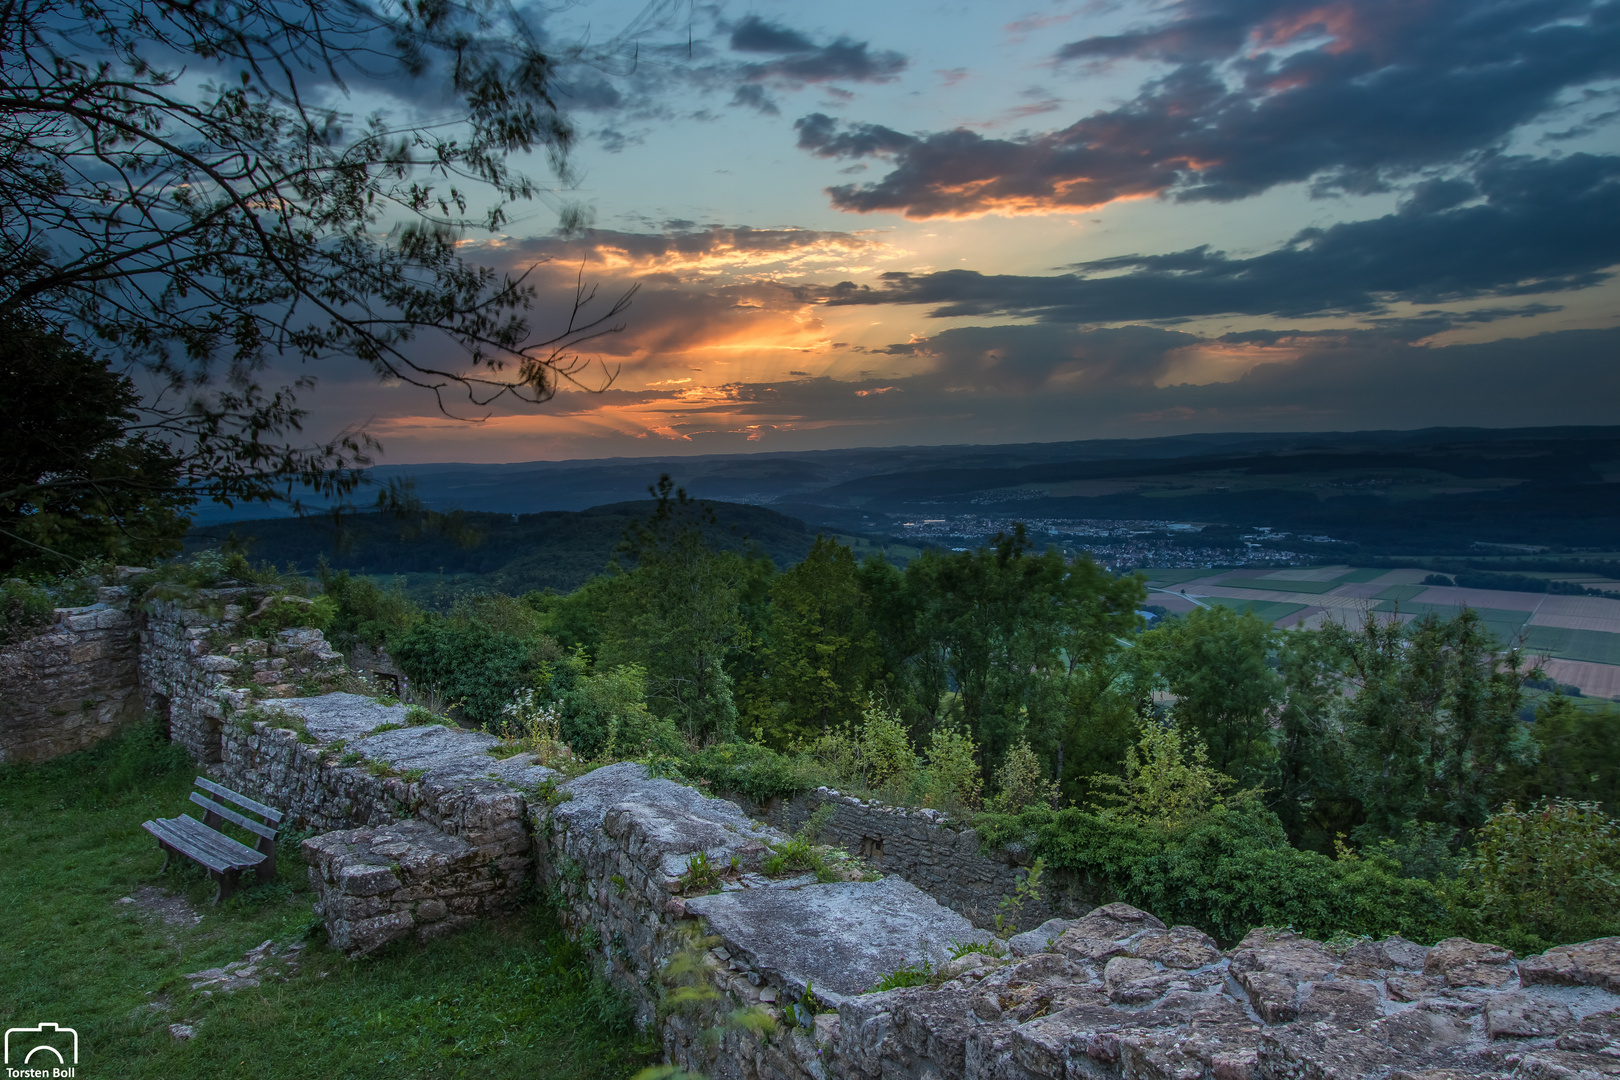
(351, 765)
(75, 684)
(940, 856)
(616, 853)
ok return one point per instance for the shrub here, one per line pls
(1226, 872)
(287, 610)
(477, 668)
(1021, 782)
(953, 779)
(749, 769)
(605, 715)
(886, 751)
(367, 613)
(1167, 780)
(24, 611)
(530, 724)
(1546, 875)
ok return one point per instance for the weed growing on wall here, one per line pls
(25, 610)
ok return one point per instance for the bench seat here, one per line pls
(203, 842)
(196, 841)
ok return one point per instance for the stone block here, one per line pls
(1461, 962)
(1590, 963)
(843, 937)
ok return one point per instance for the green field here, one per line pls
(1361, 574)
(1268, 610)
(1593, 646)
(1503, 623)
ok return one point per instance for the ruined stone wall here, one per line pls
(182, 682)
(75, 684)
(198, 668)
(940, 856)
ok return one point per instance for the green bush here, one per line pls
(367, 613)
(288, 610)
(748, 769)
(1021, 782)
(1226, 873)
(474, 668)
(605, 714)
(1168, 779)
(953, 771)
(24, 609)
(1543, 876)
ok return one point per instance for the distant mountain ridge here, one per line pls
(1432, 490)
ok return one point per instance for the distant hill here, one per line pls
(1441, 491)
(511, 553)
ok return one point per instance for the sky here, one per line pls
(902, 223)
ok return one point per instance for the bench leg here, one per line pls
(227, 886)
(267, 869)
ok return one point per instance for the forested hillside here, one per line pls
(510, 553)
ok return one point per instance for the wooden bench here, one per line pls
(204, 843)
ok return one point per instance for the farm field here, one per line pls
(1575, 638)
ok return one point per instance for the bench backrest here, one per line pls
(217, 812)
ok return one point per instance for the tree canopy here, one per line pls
(185, 196)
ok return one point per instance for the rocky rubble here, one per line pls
(263, 962)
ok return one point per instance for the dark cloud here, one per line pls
(819, 134)
(1040, 382)
(842, 61)
(1034, 382)
(753, 95)
(1348, 95)
(754, 34)
(1523, 226)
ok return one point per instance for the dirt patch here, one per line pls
(153, 903)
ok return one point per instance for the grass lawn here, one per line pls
(508, 998)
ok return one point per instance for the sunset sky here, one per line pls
(869, 224)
